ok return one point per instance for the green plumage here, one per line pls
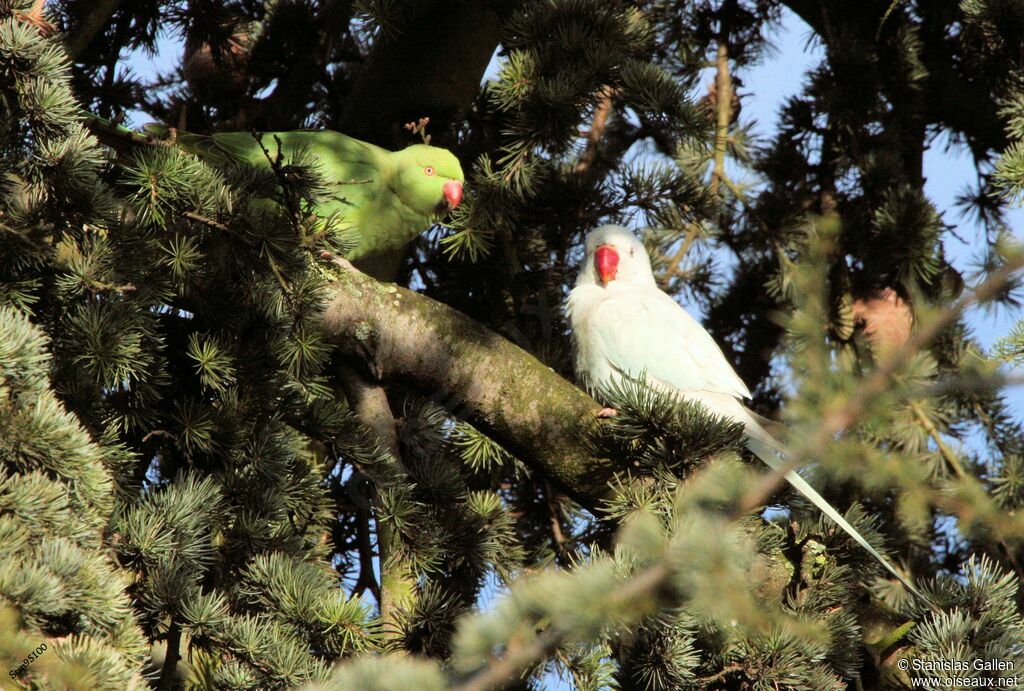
(386, 197)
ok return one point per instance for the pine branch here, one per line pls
(36, 18)
(676, 260)
(722, 674)
(598, 125)
(837, 421)
(369, 401)
(208, 222)
(947, 453)
(502, 390)
(91, 26)
(647, 582)
(954, 464)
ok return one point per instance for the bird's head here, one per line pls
(429, 179)
(615, 255)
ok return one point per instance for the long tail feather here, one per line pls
(773, 458)
(118, 137)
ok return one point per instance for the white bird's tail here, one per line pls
(765, 447)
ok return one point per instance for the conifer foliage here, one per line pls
(228, 461)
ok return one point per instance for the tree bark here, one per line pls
(475, 373)
(431, 68)
(397, 590)
(950, 97)
(91, 26)
(168, 672)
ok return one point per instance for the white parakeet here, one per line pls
(623, 325)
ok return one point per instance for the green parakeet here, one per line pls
(388, 197)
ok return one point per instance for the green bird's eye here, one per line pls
(429, 170)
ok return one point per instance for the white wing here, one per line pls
(640, 329)
(631, 330)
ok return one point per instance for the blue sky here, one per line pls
(948, 170)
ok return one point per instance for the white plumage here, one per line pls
(623, 325)
(628, 326)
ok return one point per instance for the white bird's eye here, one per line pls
(429, 170)
(631, 250)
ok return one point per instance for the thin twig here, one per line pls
(157, 433)
(500, 670)
(954, 463)
(947, 453)
(737, 192)
(556, 525)
(677, 259)
(723, 111)
(726, 671)
(598, 125)
(209, 222)
(880, 381)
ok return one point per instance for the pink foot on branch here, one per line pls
(607, 412)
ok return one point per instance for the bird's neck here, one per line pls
(383, 161)
(618, 285)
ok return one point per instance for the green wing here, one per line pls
(350, 167)
(343, 158)
(366, 186)
(384, 197)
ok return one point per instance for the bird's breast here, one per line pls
(591, 362)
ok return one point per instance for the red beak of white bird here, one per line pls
(624, 325)
(606, 262)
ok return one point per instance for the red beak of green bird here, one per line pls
(453, 193)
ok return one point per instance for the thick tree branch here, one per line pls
(502, 389)
(91, 26)
(431, 68)
(369, 402)
(723, 111)
(168, 672)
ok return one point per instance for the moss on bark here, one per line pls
(506, 392)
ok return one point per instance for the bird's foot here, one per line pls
(340, 261)
(607, 412)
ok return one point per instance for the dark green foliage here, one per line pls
(187, 463)
(658, 430)
(57, 577)
(182, 318)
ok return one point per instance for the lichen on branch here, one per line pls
(399, 335)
